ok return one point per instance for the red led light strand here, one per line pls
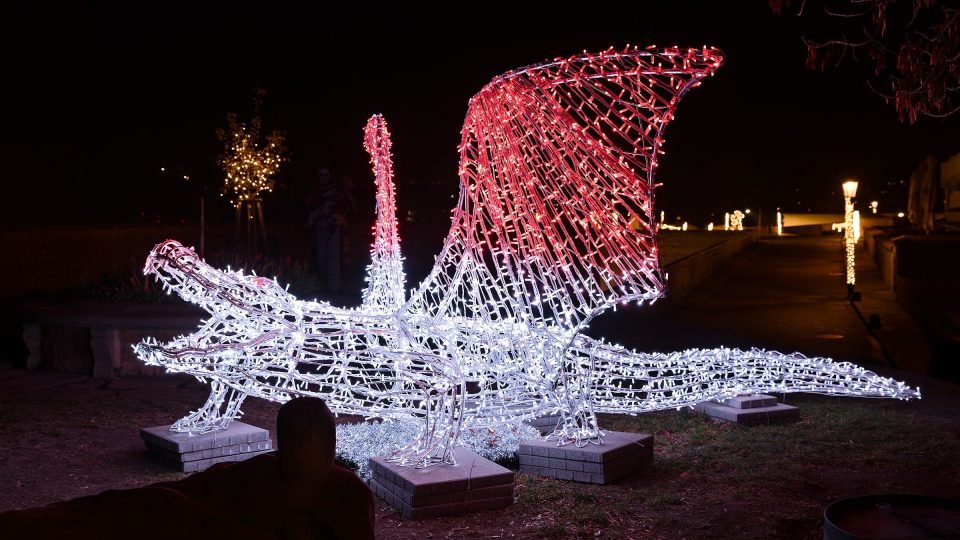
(387, 283)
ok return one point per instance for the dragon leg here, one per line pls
(578, 424)
(221, 408)
(441, 430)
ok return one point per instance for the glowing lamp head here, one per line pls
(850, 189)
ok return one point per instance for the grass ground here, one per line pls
(707, 480)
(715, 480)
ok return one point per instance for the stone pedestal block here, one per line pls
(619, 455)
(750, 401)
(191, 453)
(472, 485)
(749, 410)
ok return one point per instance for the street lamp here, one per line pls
(849, 192)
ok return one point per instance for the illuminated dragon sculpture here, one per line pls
(555, 224)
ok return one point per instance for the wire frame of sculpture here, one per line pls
(556, 161)
(387, 283)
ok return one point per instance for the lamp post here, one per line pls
(849, 192)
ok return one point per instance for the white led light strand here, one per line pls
(557, 161)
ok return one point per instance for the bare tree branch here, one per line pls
(912, 45)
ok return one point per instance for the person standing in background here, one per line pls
(328, 205)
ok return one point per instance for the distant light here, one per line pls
(900, 214)
(747, 211)
(162, 169)
(873, 206)
(710, 226)
(850, 188)
(736, 220)
(684, 226)
(779, 223)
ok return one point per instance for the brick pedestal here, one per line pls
(190, 453)
(619, 455)
(472, 485)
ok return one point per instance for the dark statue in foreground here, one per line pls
(297, 492)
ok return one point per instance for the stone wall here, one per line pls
(685, 274)
(923, 271)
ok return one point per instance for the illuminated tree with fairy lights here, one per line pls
(250, 166)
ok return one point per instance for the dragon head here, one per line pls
(253, 323)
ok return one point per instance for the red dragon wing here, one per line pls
(555, 221)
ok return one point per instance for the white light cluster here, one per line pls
(356, 443)
(555, 225)
(736, 220)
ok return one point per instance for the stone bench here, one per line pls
(112, 328)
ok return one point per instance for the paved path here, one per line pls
(788, 294)
(784, 293)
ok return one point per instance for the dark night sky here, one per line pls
(101, 98)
